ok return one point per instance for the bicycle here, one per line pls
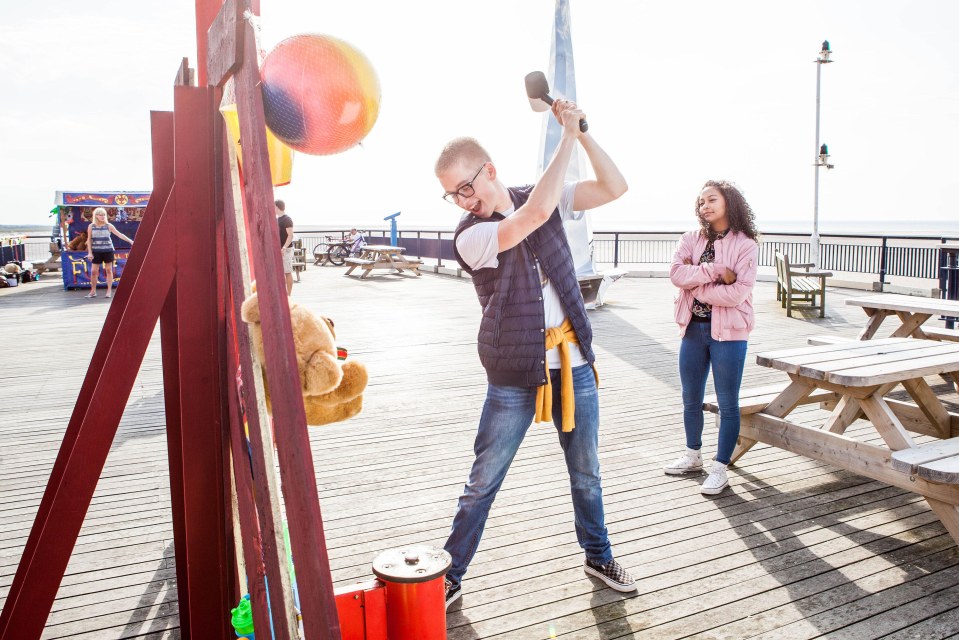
(335, 251)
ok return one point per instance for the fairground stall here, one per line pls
(75, 212)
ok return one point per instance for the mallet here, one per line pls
(537, 90)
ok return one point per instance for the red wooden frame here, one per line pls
(183, 273)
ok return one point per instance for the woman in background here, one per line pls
(100, 249)
(715, 270)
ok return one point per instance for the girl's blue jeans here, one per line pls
(697, 354)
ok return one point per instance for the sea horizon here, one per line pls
(904, 228)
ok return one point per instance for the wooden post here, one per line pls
(307, 537)
(252, 400)
(199, 322)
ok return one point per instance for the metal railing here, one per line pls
(36, 248)
(879, 255)
(882, 256)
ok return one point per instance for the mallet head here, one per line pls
(537, 90)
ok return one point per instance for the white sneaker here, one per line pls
(691, 462)
(716, 481)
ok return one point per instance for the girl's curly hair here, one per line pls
(738, 211)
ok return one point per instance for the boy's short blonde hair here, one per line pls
(458, 149)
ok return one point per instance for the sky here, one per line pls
(676, 92)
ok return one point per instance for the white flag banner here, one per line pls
(562, 84)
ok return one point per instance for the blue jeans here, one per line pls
(697, 353)
(507, 415)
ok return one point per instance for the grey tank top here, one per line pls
(100, 237)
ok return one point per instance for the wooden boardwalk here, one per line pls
(795, 549)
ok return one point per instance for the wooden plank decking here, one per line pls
(795, 549)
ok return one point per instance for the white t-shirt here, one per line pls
(479, 246)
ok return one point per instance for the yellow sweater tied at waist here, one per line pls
(561, 336)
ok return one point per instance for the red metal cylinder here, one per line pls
(415, 597)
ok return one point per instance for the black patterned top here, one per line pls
(703, 311)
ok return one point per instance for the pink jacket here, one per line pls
(733, 316)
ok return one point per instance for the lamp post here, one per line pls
(821, 158)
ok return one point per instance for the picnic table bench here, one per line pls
(378, 256)
(936, 461)
(851, 380)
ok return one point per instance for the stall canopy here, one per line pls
(75, 212)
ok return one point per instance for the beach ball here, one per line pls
(320, 94)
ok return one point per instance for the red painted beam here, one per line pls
(207, 553)
(206, 11)
(170, 357)
(274, 557)
(138, 300)
(289, 419)
(163, 166)
(246, 506)
(106, 389)
(224, 331)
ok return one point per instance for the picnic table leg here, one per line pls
(886, 423)
(948, 514)
(930, 405)
(846, 412)
(743, 445)
(910, 323)
(350, 270)
(822, 296)
(876, 316)
(409, 266)
(779, 407)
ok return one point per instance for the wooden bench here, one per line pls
(935, 333)
(799, 286)
(826, 339)
(935, 462)
(299, 258)
(758, 398)
(414, 264)
(365, 264)
(950, 335)
(359, 261)
(53, 262)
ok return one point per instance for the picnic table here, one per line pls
(381, 256)
(912, 311)
(852, 379)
